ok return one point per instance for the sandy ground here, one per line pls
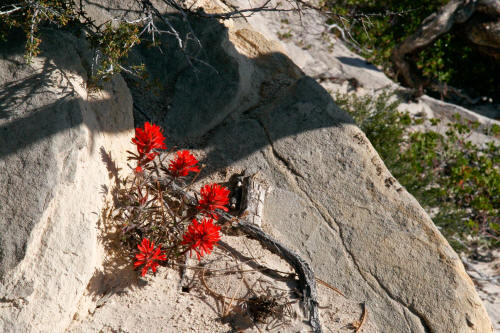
(239, 287)
(486, 277)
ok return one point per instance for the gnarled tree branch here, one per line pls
(455, 11)
(482, 30)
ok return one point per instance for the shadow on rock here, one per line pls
(233, 94)
(117, 274)
(46, 120)
(356, 62)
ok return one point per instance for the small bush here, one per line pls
(152, 205)
(111, 44)
(456, 181)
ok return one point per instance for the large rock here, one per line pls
(51, 137)
(328, 59)
(336, 203)
(333, 199)
(247, 106)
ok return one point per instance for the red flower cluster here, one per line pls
(213, 197)
(201, 237)
(148, 256)
(146, 140)
(184, 163)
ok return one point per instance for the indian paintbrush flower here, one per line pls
(183, 163)
(148, 256)
(201, 237)
(213, 197)
(147, 139)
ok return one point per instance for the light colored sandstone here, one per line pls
(52, 179)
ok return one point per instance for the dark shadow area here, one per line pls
(356, 62)
(41, 114)
(201, 96)
(39, 124)
(195, 94)
(186, 89)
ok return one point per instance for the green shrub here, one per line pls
(111, 44)
(379, 26)
(30, 15)
(456, 181)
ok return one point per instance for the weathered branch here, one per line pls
(14, 9)
(482, 30)
(485, 34)
(253, 199)
(489, 7)
(253, 203)
(302, 268)
(437, 24)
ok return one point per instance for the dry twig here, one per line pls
(358, 324)
(329, 286)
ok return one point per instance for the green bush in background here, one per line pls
(378, 26)
(456, 181)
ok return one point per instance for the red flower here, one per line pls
(213, 197)
(201, 237)
(147, 139)
(184, 163)
(148, 256)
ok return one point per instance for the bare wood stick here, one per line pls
(307, 282)
(253, 199)
(363, 318)
(304, 271)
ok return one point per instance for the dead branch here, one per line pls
(306, 276)
(253, 199)
(484, 30)
(307, 282)
(4, 10)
